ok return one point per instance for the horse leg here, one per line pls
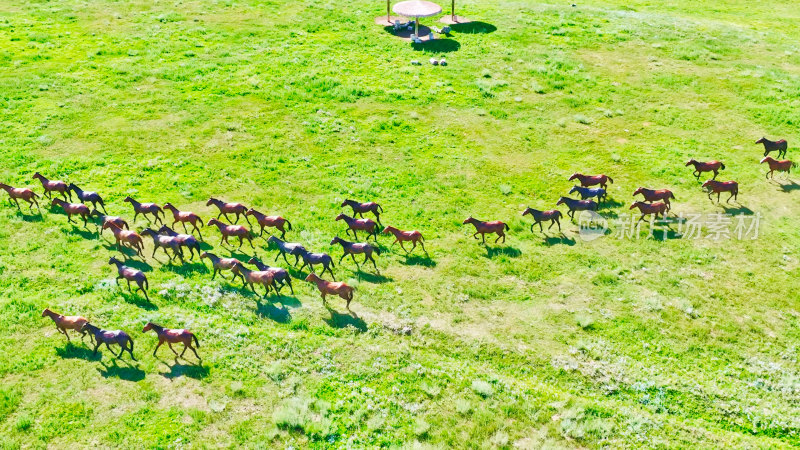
(169, 344)
(373, 262)
(423, 247)
(237, 217)
(129, 285)
(483, 237)
(475, 235)
(343, 255)
(141, 288)
(96, 346)
(729, 198)
(157, 345)
(403, 247)
(17, 202)
(323, 272)
(250, 241)
(716, 172)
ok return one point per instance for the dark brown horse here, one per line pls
(647, 209)
(357, 248)
(251, 277)
(291, 248)
(772, 146)
(710, 166)
(164, 242)
(270, 221)
(577, 205)
(24, 193)
(777, 166)
(360, 208)
(74, 209)
(117, 337)
(591, 180)
(116, 220)
(310, 259)
(654, 195)
(553, 216)
(280, 276)
(401, 236)
(332, 288)
(184, 217)
(87, 196)
(51, 186)
(131, 274)
(220, 264)
(483, 228)
(232, 230)
(356, 225)
(182, 336)
(718, 187)
(184, 240)
(144, 209)
(130, 238)
(229, 208)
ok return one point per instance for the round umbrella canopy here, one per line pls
(417, 9)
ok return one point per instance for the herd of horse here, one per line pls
(175, 245)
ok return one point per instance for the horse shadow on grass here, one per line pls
(197, 371)
(187, 268)
(72, 351)
(127, 252)
(791, 186)
(610, 203)
(136, 298)
(272, 312)
(417, 260)
(476, 27)
(126, 372)
(561, 239)
(30, 218)
(138, 264)
(737, 210)
(82, 232)
(340, 320)
(369, 277)
(505, 250)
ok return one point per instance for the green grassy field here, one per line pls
(290, 107)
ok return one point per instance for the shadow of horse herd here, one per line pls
(591, 190)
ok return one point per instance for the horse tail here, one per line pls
(146, 284)
(379, 207)
(377, 250)
(289, 282)
(290, 224)
(505, 225)
(722, 165)
(196, 343)
(794, 164)
(35, 194)
(332, 263)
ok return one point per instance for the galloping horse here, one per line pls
(710, 166)
(585, 193)
(220, 264)
(577, 205)
(164, 242)
(332, 288)
(717, 187)
(144, 209)
(404, 236)
(24, 193)
(309, 259)
(771, 146)
(130, 238)
(650, 208)
(116, 220)
(184, 217)
(591, 180)
(653, 195)
(361, 208)
(252, 277)
(51, 186)
(229, 208)
(118, 337)
(184, 240)
(232, 230)
(279, 275)
(64, 323)
(73, 209)
(553, 216)
(355, 225)
(269, 221)
(357, 248)
(488, 227)
(169, 336)
(775, 165)
(87, 196)
(287, 247)
(130, 274)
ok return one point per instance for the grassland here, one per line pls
(291, 107)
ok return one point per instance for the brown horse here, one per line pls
(184, 217)
(405, 236)
(169, 336)
(553, 216)
(130, 238)
(229, 208)
(220, 264)
(144, 209)
(355, 225)
(650, 209)
(591, 180)
(232, 230)
(118, 337)
(251, 277)
(332, 288)
(780, 166)
(360, 208)
(577, 205)
(310, 259)
(64, 323)
(710, 166)
(51, 186)
(280, 276)
(654, 195)
(24, 193)
(88, 197)
(483, 228)
(718, 187)
(116, 220)
(269, 221)
(772, 146)
(357, 248)
(130, 274)
(164, 242)
(184, 240)
(72, 209)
